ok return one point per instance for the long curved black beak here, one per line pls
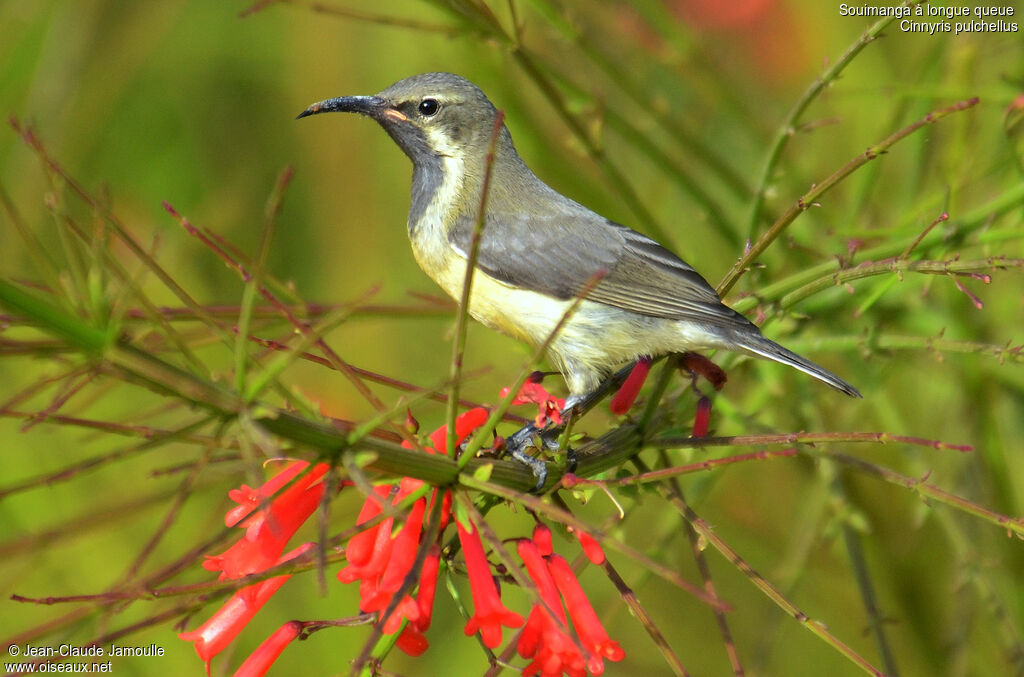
(365, 105)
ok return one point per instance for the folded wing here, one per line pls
(558, 255)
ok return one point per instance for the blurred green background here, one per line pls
(660, 115)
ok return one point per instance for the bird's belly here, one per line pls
(593, 339)
(594, 333)
(519, 313)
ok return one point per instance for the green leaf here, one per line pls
(483, 473)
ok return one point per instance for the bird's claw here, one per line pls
(518, 442)
(516, 445)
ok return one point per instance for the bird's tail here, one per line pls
(763, 347)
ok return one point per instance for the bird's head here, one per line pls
(428, 115)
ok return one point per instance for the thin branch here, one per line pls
(802, 438)
(459, 344)
(708, 534)
(792, 120)
(346, 13)
(542, 507)
(809, 199)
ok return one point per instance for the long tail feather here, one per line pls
(762, 347)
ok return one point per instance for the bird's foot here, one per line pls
(530, 435)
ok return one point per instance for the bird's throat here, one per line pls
(433, 210)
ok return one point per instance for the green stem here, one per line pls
(459, 345)
(845, 275)
(818, 628)
(810, 197)
(53, 319)
(974, 220)
(789, 125)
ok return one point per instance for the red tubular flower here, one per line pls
(268, 531)
(542, 537)
(377, 549)
(465, 423)
(549, 407)
(551, 606)
(214, 635)
(489, 614)
(412, 642)
(626, 396)
(559, 653)
(588, 626)
(702, 366)
(544, 638)
(702, 419)
(260, 660)
(381, 563)
(428, 588)
(403, 553)
(591, 548)
(249, 500)
(360, 547)
(407, 609)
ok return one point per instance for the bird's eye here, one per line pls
(429, 107)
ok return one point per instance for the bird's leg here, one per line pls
(516, 445)
(581, 404)
(518, 442)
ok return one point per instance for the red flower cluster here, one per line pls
(382, 556)
(549, 407)
(267, 532)
(545, 638)
(381, 562)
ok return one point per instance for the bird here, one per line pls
(540, 252)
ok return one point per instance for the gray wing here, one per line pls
(559, 254)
